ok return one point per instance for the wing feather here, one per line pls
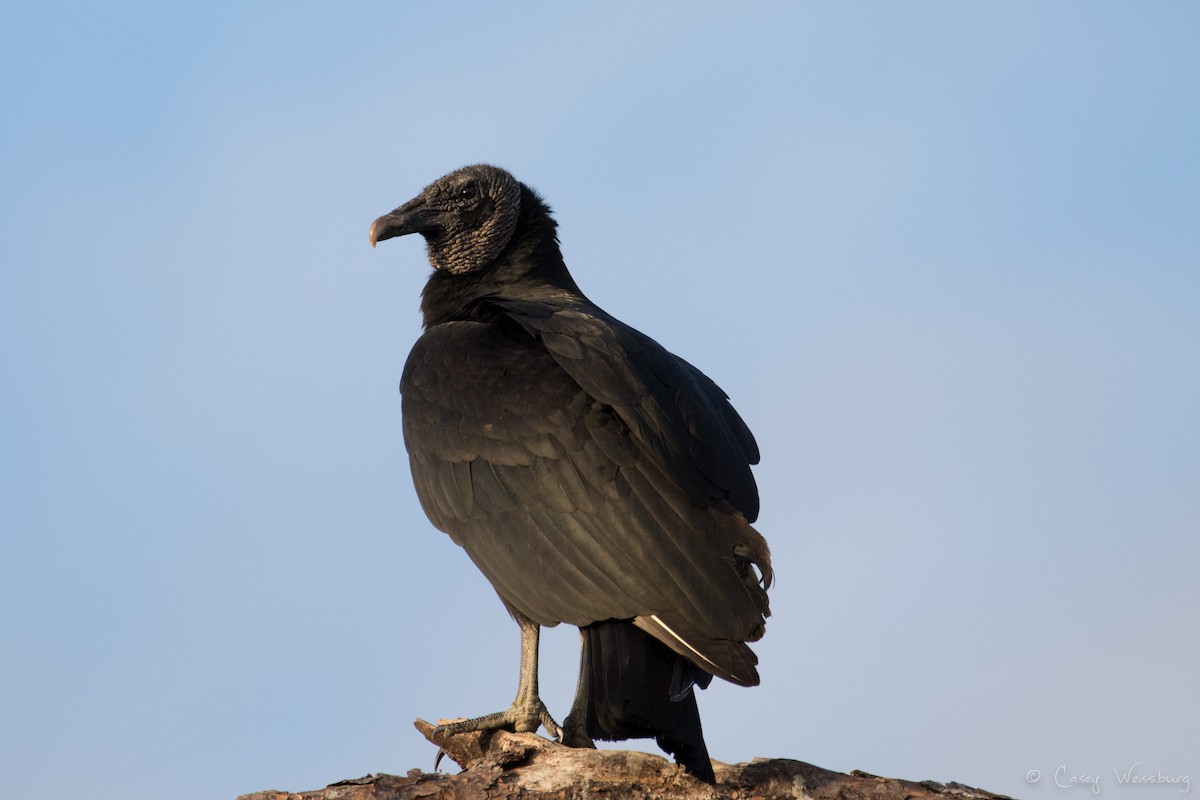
(584, 488)
(673, 409)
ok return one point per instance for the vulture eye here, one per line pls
(468, 192)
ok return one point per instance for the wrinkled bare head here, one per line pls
(466, 217)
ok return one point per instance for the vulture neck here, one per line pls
(531, 267)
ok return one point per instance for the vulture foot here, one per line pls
(524, 716)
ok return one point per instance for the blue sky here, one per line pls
(944, 258)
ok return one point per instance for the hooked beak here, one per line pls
(412, 217)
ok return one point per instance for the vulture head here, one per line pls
(466, 217)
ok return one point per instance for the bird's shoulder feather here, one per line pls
(674, 410)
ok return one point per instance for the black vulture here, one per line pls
(594, 478)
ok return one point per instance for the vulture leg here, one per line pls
(527, 712)
(575, 725)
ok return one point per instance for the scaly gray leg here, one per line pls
(575, 725)
(527, 712)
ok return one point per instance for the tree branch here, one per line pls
(509, 765)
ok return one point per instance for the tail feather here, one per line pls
(733, 661)
(640, 688)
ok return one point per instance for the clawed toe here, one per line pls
(520, 718)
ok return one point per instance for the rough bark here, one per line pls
(524, 765)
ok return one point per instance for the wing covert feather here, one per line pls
(673, 409)
(564, 489)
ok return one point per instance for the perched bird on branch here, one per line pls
(594, 478)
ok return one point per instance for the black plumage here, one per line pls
(594, 478)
